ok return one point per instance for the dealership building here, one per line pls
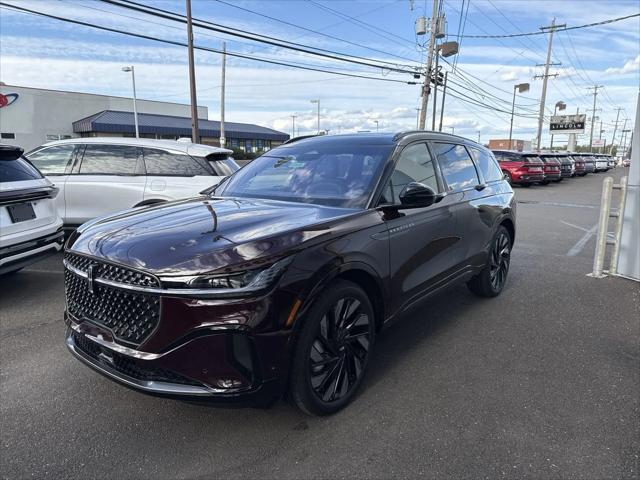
(30, 117)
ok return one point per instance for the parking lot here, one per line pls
(540, 382)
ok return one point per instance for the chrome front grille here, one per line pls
(130, 315)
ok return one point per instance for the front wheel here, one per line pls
(491, 280)
(333, 350)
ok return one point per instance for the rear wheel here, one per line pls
(333, 350)
(491, 280)
(508, 178)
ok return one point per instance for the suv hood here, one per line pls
(203, 234)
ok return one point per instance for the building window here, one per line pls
(8, 136)
(57, 136)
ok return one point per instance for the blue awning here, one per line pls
(112, 121)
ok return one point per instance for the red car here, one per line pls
(521, 168)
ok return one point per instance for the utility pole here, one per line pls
(615, 130)
(600, 135)
(427, 73)
(223, 140)
(435, 91)
(593, 116)
(444, 94)
(195, 134)
(293, 125)
(552, 28)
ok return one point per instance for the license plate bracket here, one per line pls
(21, 212)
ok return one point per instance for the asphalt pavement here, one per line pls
(540, 382)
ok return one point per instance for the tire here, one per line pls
(327, 365)
(493, 277)
(544, 182)
(508, 178)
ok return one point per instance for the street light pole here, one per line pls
(318, 102)
(521, 87)
(223, 140)
(376, 122)
(135, 108)
(293, 126)
(561, 106)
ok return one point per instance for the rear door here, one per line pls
(464, 188)
(55, 163)
(172, 175)
(106, 179)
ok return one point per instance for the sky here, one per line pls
(47, 53)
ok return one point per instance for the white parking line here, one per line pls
(577, 248)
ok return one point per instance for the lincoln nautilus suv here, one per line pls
(276, 282)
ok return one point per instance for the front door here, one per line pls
(421, 240)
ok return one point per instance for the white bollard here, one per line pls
(613, 268)
(603, 224)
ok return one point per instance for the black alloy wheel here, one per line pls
(493, 277)
(500, 256)
(333, 350)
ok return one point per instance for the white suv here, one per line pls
(97, 176)
(30, 227)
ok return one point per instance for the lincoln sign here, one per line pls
(567, 123)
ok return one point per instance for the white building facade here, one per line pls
(30, 117)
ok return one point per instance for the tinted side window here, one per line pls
(17, 171)
(52, 160)
(487, 165)
(414, 165)
(109, 160)
(159, 162)
(456, 166)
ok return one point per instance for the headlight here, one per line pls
(231, 284)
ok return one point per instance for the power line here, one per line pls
(284, 22)
(530, 34)
(208, 49)
(333, 55)
(367, 26)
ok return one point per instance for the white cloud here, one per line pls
(630, 66)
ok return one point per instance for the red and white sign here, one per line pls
(598, 142)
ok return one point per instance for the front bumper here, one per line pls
(224, 367)
(14, 257)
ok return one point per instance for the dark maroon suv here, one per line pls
(276, 282)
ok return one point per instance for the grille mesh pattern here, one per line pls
(131, 316)
(113, 272)
(129, 367)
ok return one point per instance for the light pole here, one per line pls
(376, 122)
(135, 108)
(318, 102)
(446, 49)
(559, 106)
(453, 130)
(521, 88)
(624, 142)
(293, 126)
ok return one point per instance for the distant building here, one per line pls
(517, 145)
(30, 117)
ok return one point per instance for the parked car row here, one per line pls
(528, 168)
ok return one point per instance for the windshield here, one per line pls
(341, 175)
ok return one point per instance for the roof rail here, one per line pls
(301, 137)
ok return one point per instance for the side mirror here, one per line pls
(418, 195)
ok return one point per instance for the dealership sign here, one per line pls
(8, 99)
(598, 142)
(567, 123)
